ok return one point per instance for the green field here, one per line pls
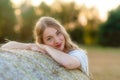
(104, 63)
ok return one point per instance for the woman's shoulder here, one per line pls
(77, 51)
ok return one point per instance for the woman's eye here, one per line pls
(48, 39)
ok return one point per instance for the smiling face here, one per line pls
(54, 38)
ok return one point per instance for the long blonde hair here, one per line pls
(45, 22)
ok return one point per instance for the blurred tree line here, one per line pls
(82, 23)
(7, 20)
(109, 32)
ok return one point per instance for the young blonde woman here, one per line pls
(52, 39)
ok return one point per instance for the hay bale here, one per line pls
(30, 65)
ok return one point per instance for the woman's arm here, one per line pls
(15, 45)
(18, 45)
(64, 59)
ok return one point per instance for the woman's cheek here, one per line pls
(50, 44)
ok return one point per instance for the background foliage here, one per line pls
(82, 23)
(7, 20)
(109, 32)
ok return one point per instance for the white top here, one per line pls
(81, 55)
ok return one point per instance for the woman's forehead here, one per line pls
(49, 31)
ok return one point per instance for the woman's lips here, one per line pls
(58, 46)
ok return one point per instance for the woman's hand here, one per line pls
(35, 47)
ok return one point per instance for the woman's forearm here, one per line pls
(68, 61)
(15, 45)
(18, 45)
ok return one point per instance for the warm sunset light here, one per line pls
(17, 2)
(103, 6)
(37, 2)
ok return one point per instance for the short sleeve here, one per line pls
(81, 55)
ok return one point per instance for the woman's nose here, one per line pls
(56, 40)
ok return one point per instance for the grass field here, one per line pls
(104, 63)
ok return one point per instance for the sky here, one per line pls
(103, 6)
